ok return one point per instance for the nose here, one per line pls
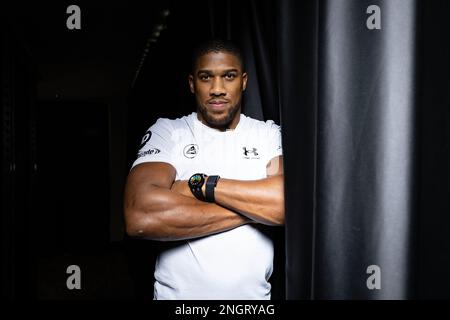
(217, 87)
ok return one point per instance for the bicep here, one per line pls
(158, 174)
(275, 166)
(143, 189)
(146, 176)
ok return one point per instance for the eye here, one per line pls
(204, 77)
(230, 76)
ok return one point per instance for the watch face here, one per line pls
(196, 180)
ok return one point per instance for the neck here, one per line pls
(230, 126)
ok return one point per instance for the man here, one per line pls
(210, 179)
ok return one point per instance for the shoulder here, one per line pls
(269, 125)
(171, 124)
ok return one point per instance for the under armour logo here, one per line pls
(253, 150)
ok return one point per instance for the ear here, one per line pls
(191, 83)
(244, 81)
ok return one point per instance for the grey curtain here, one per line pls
(365, 130)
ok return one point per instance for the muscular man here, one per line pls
(210, 179)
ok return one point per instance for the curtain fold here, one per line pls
(365, 150)
(297, 87)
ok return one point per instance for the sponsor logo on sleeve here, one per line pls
(145, 138)
(149, 152)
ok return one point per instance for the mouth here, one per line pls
(217, 104)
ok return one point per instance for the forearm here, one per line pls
(166, 216)
(260, 200)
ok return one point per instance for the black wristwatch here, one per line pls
(195, 183)
(211, 183)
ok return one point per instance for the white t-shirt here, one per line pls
(234, 264)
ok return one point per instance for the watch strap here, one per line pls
(211, 183)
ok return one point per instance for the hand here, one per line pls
(181, 187)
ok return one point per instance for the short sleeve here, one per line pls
(274, 147)
(157, 144)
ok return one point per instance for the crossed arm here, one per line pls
(158, 208)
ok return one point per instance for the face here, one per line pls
(218, 82)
